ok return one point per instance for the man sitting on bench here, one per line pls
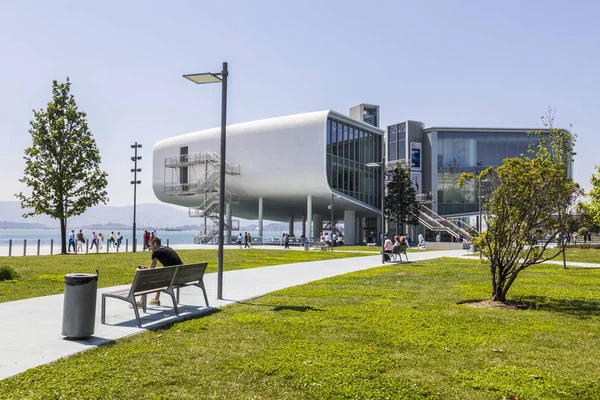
(167, 257)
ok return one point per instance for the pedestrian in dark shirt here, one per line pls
(167, 257)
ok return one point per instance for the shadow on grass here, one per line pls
(582, 308)
(284, 308)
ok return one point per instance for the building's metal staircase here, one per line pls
(434, 222)
(208, 186)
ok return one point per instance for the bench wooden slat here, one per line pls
(157, 279)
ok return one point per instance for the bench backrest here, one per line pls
(150, 279)
(189, 273)
(400, 249)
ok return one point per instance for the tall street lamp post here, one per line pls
(200, 79)
(382, 165)
(135, 182)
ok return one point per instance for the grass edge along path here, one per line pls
(44, 275)
(393, 332)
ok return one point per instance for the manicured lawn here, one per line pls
(395, 332)
(44, 275)
(574, 255)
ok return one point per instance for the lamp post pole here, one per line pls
(218, 77)
(135, 182)
(332, 242)
(224, 74)
(383, 209)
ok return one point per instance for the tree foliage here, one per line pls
(529, 206)
(400, 204)
(590, 209)
(62, 166)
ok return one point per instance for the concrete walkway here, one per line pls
(31, 329)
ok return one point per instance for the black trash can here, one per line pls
(79, 308)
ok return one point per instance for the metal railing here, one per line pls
(200, 158)
(435, 222)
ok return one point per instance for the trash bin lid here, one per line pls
(79, 279)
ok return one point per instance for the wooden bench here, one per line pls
(165, 279)
(189, 275)
(319, 245)
(398, 251)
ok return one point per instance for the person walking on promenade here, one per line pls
(167, 257)
(286, 241)
(101, 240)
(421, 244)
(146, 239)
(119, 239)
(80, 240)
(72, 240)
(111, 239)
(239, 240)
(249, 240)
(94, 241)
(246, 240)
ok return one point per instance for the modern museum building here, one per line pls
(322, 166)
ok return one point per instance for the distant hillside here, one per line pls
(147, 215)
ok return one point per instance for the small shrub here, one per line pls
(8, 273)
(583, 231)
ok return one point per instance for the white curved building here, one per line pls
(282, 169)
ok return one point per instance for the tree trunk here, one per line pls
(63, 236)
(564, 255)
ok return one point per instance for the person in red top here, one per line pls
(146, 239)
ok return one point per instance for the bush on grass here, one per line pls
(8, 274)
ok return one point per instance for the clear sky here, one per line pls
(451, 63)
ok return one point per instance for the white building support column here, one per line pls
(304, 226)
(228, 220)
(291, 226)
(349, 227)
(309, 218)
(260, 219)
(358, 231)
(317, 227)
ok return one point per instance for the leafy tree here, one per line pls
(400, 205)
(63, 163)
(591, 208)
(530, 195)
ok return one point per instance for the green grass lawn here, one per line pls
(574, 255)
(395, 332)
(44, 275)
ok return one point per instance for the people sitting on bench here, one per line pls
(400, 246)
(167, 257)
(388, 246)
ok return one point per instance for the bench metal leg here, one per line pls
(137, 313)
(174, 302)
(103, 318)
(201, 285)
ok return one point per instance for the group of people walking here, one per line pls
(246, 239)
(78, 241)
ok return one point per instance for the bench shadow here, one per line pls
(576, 307)
(164, 318)
(283, 307)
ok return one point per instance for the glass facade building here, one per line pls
(447, 153)
(349, 148)
(459, 152)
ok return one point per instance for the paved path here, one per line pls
(31, 329)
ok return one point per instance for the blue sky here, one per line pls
(462, 63)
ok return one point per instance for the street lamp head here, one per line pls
(200, 79)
